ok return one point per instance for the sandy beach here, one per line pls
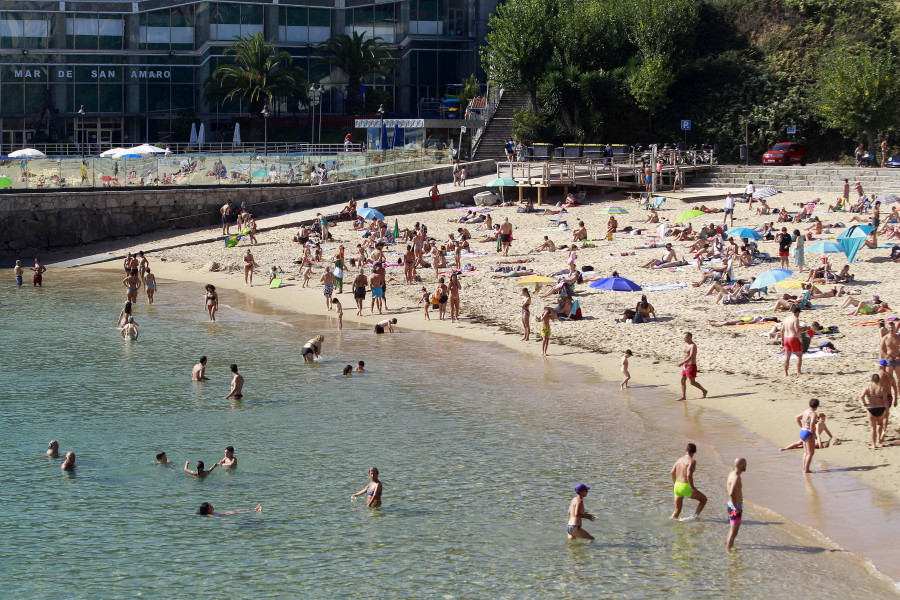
(738, 365)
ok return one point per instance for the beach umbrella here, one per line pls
(112, 152)
(27, 153)
(887, 198)
(369, 213)
(824, 247)
(236, 138)
(793, 284)
(106, 178)
(618, 284)
(856, 231)
(5, 182)
(201, 136)
(260, 173)
(612, 210)
(765, 192)
(688, 215)
(130, 156)
(396, 228)
(399, 138)
(383, 141)
(502, 182)
(744, 232)
(536, 280)
(193, 139)
(770, 277)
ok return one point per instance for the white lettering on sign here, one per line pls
(103, 74)
(64, 74)
(151, 74)
(28, 73)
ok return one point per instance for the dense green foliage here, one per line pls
(258, 74)
(627, 71)
(357, 57)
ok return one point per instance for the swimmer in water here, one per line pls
(237, 385)
(683, 479)
(208, 510)
(372, 491)
(198, 373)
(201, 472)
(577, 513)
(348, 370)
(361, 366)
(130, 330)
(53, 449)
(162, 459)
(69, 462)
(229, 462)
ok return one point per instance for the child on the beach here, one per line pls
(340, 312)
(625, 357)
(273, 274)
(426, 300)
(318, 255)
(307, 273)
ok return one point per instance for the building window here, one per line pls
(229, 21)
(426, 17)
(305, 25)
(93, 33)
(167, 29)
(24, 30)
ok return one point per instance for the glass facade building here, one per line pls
(138, 66)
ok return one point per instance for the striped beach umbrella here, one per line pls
(765, 192)
(612, 210)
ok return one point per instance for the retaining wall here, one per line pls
(38, 221)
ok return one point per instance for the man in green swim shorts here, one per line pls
(683, 478)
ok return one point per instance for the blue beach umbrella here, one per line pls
(384, 138)
(131, 156)
(770, 277)
(399, 138)
(369, 213)
(744, 232)
(851, 247)
(824, 247)
(618, 284)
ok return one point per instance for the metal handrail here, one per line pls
(272, 148)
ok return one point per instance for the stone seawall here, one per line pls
(38, 221)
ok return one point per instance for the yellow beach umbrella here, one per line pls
(791, 285)
(536, 280)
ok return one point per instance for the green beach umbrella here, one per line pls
(5, 182)
(396, 228)
(688, 215)
(502, 182)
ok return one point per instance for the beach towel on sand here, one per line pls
(663, 287)
(809, 354)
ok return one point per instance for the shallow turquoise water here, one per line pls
(478, 447)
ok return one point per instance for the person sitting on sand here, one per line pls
(570, 200)
(580, 233)
(722, 271)
(554, 211)
(668, 257)
(763, 208)
(564, 286)
(611, 225)
(548, 245)
(644, 310)
(564, 306)
(653, 217)
(685, 234)
(493, 236)
(814, 229)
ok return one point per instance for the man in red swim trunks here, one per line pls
(790, 333)
(689, 367)
(435, 196)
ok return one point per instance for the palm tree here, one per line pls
(258, 74)
(357, 57)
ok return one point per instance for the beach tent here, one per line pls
(824, 247)
(852, 239)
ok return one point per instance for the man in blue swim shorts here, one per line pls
(577, 513)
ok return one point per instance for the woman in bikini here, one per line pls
(249, 265)
(212, 301)
(441, 293)
(372, 491)
(454, 288)
(312, 349)
(143, 266)
(807, 422)
(526, 314)
(150, 285)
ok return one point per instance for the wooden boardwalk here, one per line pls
(586, 173)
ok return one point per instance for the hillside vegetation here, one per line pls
(627, 71)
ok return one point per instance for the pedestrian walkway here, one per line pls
(388, 204)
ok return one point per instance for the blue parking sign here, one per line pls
(685, 125)
(792, 129)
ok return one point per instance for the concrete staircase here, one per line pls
(499, 128)
(801, 179)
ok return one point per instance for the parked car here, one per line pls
(785, 153)
(893, 161)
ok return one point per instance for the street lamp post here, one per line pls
(381, 133)
(79, 127)
(315, 97)
(265, 114)
(746, 137)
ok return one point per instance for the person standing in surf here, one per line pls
(735, 489)
(372, 491)
(577, 513)
(212, 301)
(683, 479)
(237, 385)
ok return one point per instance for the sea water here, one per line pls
(478, 446)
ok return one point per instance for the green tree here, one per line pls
(650, 80)
(517, 49)
(358, 58)
(257, 74)
(857, 91)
